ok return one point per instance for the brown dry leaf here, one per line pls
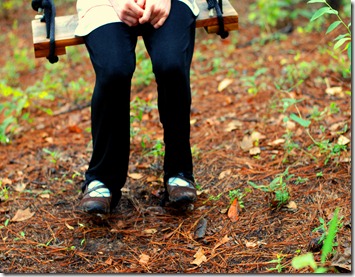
(143, 259)
(44, 195)
(224, 174)
(292, 205)
(221, 242)
(343, 260)
(74, 129)
(4, 209)
(224, 84)
(150, 231)
(22, 215)
(254, 151)
(199, 257)
(290, 125)
(343, 140)
(135, 176)
(233, 211)
(333, 90)
(246, 143)
(20, 187)
(109, 261)
(276, 142)
(6, 181)
(334, 127)
(250, 244)
(255, 135)
(233, 125)
(49, 139)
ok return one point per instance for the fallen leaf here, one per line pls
(6, 181)
(135, 176)
(233, 211)
(109, 261)
(224, 174)
(220, 242)
(254, 151)
(333, 90)
(144, 259)
(336, 126)
(246, 143)
(22, 215)
(44, 195)
(224, 84)
(69, 227)
(20, 187)
(290, 125)
(343, 260)
(343, 140)
(292, 205)
(233, 125)
(255, 135)
(74, 129)
(199, 257)
(276, 142)
(4, 209)
(150, 231)
(250, 244)
(199, 192)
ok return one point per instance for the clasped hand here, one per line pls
(134, 12)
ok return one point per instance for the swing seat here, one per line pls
(65, 27)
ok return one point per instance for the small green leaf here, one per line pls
(349, 51)
(321, 270)
(332, 231)
(315, 1)
(340, 42)
(301, 121)
(304, 260)
(333, 26)
(321, 11)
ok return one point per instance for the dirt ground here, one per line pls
(238, 136)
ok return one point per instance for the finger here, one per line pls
(146, 16)
(159, 23)
(141, 3)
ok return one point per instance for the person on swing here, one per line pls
(110, 29)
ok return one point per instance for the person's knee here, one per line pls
(170, 67)
(114, 74)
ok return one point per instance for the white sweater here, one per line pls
(95, 13)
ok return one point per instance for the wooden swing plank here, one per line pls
(65, 27)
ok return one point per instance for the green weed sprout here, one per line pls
(277, 187)
(307, 260)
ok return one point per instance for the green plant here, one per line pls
(341, 39)
(4, 192)
(53, 155)
(277, 188)
(157, 150)
(237, 194)
(143, 74)
(307, 260)
(268, 13)
(325, 147)
(251, 81)
(279, 267)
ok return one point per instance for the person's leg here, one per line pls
(112, 53)
(171, 49)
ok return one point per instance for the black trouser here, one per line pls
(112, 52)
